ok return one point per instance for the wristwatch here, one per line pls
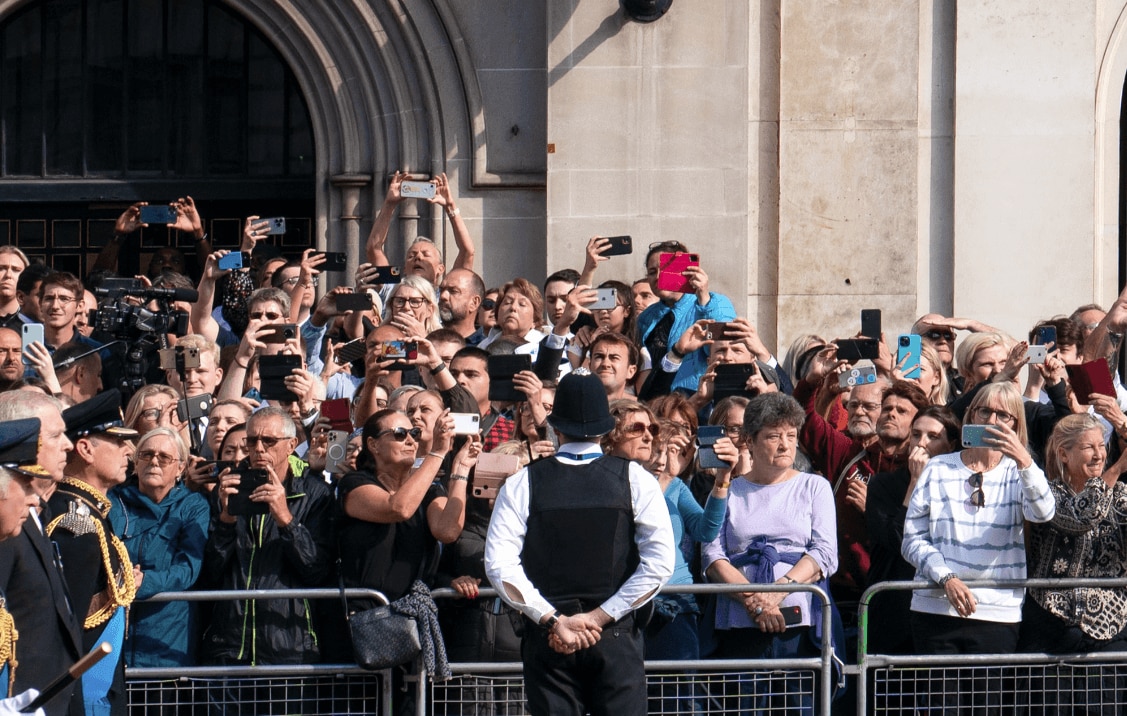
(947, 578)
(552, 621)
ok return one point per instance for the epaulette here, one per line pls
(78, 520)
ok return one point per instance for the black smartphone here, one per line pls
(619, 246)
(240, 504)
(193, 408)
(731, 379)
(855, 349)
(1046, 336)
(272, 372)
(791, 615)
(501, 370)
(334, 261)
(707, 435)
(361, 301)
(158, 214)
(870, 323)
(349, 352)
(386, 274)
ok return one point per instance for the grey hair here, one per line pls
(15, 405)
(289, 430)
(772, 409)
(269, 293)
(174, 436)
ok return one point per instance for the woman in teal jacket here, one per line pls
(164, 527)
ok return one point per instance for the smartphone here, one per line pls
(908, 348)
(386, 274)
(791, 615)
(400, 350)
(731, 379)
(607, 299)
(272, 372)
(193, 408)
(239, 504)
(501, 369)
(491, 472)
(32, 332)
(233, 260)
(417, 189)
(707, 435)
(335, 261)
(671, 277)
(1036, 354)
(158, 214)
(619, 246)
(275, 225)
(466, 423)
(857, 375)
(349, 352)
(338, 412)
(179, 358)
(361, 301)
(337, 449)
(278, 333)
(1046, 336)
(870, 323)
(975, 436)
(720, 331)
(855, 349)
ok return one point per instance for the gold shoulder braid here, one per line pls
(8, 638)
(120, 587)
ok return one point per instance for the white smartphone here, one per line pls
(32, 332)
(466, 423)
(607, 299)
(417, 189)
(1036, 354)
(338, 444)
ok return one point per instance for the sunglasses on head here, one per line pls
(400, 434)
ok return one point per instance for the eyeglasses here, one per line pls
(154, 415)
(160, 459)
(268, 441)
(401, 301)
(292, 281)
(867, 407)
(939, 336)
(733, 431)
(636, 429)
(984, 414)
(350, 450)
(268, 315)
(58, 298)
(400, 434)
(977, 496)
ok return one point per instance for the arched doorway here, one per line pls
(107, 102)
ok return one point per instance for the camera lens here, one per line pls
(904, 341)
(288, 333)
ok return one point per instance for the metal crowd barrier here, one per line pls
(308, 689)
(705, 686)
(1023, 683)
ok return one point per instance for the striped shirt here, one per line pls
(945, 533)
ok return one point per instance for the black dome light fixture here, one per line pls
(645, 10)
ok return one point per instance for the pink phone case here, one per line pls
(670, 277)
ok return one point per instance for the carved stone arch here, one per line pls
(1111, 81)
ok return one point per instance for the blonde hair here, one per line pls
(1065, 435)
(133, 410)
(1010, 398)
(938, 394)
(202, 344)
(975, 342)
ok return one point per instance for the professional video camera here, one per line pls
(142, 328)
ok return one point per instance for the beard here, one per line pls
(860, 430)
(447, 314)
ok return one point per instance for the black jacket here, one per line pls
(255, 553)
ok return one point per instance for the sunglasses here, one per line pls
(400, 434)
(977, 496)
(489, 304)
(939, 336)
(636, 429)
(267, 441)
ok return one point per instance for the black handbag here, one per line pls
(381, 637)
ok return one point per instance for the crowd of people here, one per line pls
(220, 424)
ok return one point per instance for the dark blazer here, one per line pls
(50, 635)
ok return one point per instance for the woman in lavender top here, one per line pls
(780, 528)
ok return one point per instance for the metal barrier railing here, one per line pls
(1004, 679)
(506, 678)
(330, 689)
